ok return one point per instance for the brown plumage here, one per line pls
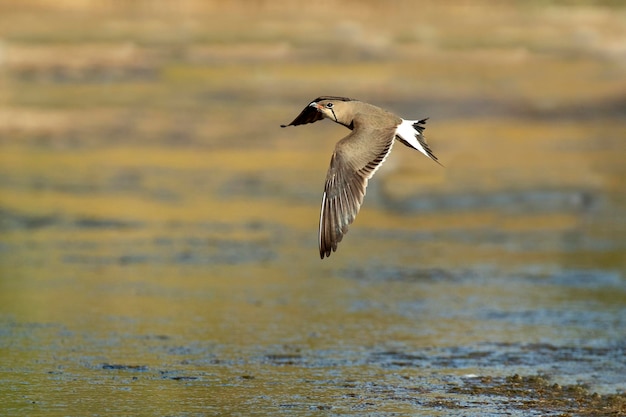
(356, 157)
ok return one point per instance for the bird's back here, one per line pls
(373, 117)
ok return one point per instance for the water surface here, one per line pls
(158, 229)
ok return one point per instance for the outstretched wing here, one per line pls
(354, 162)
(310, 114)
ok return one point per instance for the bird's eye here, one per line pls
(329, 105)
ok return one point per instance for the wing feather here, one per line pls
(355, 159)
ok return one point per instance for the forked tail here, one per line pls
(411, 133)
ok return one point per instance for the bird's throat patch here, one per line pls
(334, 115)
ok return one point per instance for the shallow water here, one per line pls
(156, 260)
(111, 315)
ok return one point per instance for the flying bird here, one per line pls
(356, 157)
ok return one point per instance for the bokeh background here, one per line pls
(158, 229)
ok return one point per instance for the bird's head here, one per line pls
(337, 110)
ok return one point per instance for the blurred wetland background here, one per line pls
(158, 230)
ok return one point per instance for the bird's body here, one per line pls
(356, 157)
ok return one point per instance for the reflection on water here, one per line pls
(158, 230)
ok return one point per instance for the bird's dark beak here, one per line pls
(316, 106)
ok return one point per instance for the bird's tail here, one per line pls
(411, 133)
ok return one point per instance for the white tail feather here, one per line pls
(409, 134)
(412, 137)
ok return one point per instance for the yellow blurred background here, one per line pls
(156, 220)
(169, 111)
